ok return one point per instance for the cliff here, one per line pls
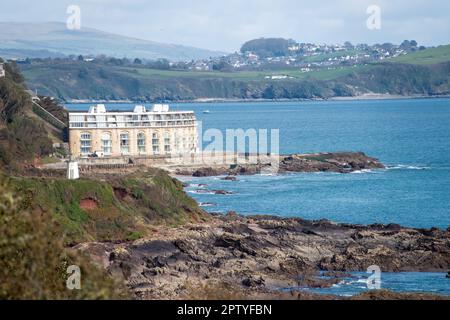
(24, 136)
(109, 207)
(42, 218)
(75, 80)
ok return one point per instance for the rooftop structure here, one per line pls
(160, 131)
(159, 117)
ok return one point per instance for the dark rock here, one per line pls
(342, 162)
(258, 250)
(252, 282)
(206, 172)
(218, 192)
(222, 192)
(229, 178)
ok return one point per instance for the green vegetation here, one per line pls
(22, 138)
(33, 259)
(96, 81)
(326, 56)
(268, 47)
(69, 80)
(51, 106)
(403, 79)
(47, 117)
(425, 57)
(121, 208)
(53, 213)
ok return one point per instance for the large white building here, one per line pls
(138, 133)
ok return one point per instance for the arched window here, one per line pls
(106, 143)
(141, 142)
(86, 143)
(125, 142)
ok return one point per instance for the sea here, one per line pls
(410, 136)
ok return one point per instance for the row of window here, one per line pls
(106, 143)
(157, 124)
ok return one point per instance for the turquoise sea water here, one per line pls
(412, 282)
(412, 137)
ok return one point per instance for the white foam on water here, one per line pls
(201, 192)
(361, 281)
(206, 204)
(194, 185)
(407, 167)
(362, 171)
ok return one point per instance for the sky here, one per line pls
(226, 24)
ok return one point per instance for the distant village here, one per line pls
(270, 54)
(305, 56)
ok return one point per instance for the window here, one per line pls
(166, 142)
(141, 142)
(155, 143)
(86, 143)
(124, 143)
(106, 143)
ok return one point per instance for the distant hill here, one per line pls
(78, 80)
(53, 39)
(422, 73)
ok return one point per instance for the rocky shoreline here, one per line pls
(341, 162)
(236, 257)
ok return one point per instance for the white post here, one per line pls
(72, 171)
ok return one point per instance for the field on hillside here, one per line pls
(38, 71)
(421, 73)
(428, 56)
(425, 57)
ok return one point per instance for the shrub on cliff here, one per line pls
(33, 260)
(21, 137)
(117, 208)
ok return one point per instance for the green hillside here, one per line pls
(116, 209)
(429, 56)
(23, 136)
(42, 214)
(67, 79)
(72, 80)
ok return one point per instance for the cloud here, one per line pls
(225, 25)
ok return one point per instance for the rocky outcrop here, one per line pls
(342, 162)
(258, 255)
